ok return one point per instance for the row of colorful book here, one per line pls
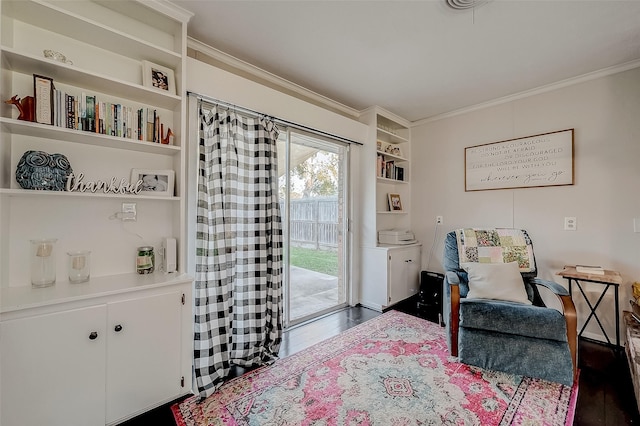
(388, 169)
(87, 114)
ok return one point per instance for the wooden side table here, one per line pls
(609, 279)
(633, 352)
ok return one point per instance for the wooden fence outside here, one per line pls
(314, 223)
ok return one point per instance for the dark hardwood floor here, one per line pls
(605, 396)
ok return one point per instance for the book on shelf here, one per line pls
(71, 113)
(590, 269)
(90, 117)
(390, 170)
(85, 112)
(150, 123)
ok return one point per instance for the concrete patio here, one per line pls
(311, 292)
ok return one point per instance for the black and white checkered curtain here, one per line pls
(238, 285)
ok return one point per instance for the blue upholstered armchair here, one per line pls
(491, 323)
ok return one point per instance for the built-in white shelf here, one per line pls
(390, 181)
(60, 72)
(27, 296)
(51, 17)
(391, 137)
(28, 128)
(37, 193)
(391, 156)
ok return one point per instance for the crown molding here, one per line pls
(169, 9)
(259, 73)
(388, 114)
(532, 92)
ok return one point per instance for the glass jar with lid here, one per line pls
(145, 260)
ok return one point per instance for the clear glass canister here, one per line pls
(145, 260)
(43, 262)
(79, 266)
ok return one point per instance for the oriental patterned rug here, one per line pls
(391, 370)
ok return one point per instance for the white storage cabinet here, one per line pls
(96, 361)
(390, 275)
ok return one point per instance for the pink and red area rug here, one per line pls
(391, 370)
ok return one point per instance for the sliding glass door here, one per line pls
(313, 194)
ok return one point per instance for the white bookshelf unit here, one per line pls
(389, 274)
(107, 42)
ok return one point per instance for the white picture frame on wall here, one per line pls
(158, 77)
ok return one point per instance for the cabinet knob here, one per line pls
(409, 260)
(93, 335)
(118, 328)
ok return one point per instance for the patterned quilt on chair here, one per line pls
(498, 245)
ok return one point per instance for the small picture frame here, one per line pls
(395, 204)
(154, 182)
(158, 77)
(43, 94)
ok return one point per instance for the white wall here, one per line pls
(605, 114)
(208, 80)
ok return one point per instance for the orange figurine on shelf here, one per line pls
(170, 134)
(26, 107)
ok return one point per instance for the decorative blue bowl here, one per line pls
(43, 171)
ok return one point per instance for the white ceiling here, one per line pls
(419, 58)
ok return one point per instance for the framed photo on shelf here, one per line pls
(158, 77)
(43, 94)
(154, 182)
(395, 204)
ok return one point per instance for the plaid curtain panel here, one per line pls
(238, 283)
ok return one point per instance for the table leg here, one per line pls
(617, 318)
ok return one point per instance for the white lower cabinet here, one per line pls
(404, 273)
(98, 364)
(143, 353)
(53, 369)
(389, 275)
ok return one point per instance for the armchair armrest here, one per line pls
(569, 311)
(553, 286)
(454, 283)
(452, 278)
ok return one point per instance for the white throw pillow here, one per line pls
(497, 281)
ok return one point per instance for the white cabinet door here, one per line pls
(143, 353)
(404, 273)
(53, 369)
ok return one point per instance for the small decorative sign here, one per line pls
(540, 160)
(77, 184)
